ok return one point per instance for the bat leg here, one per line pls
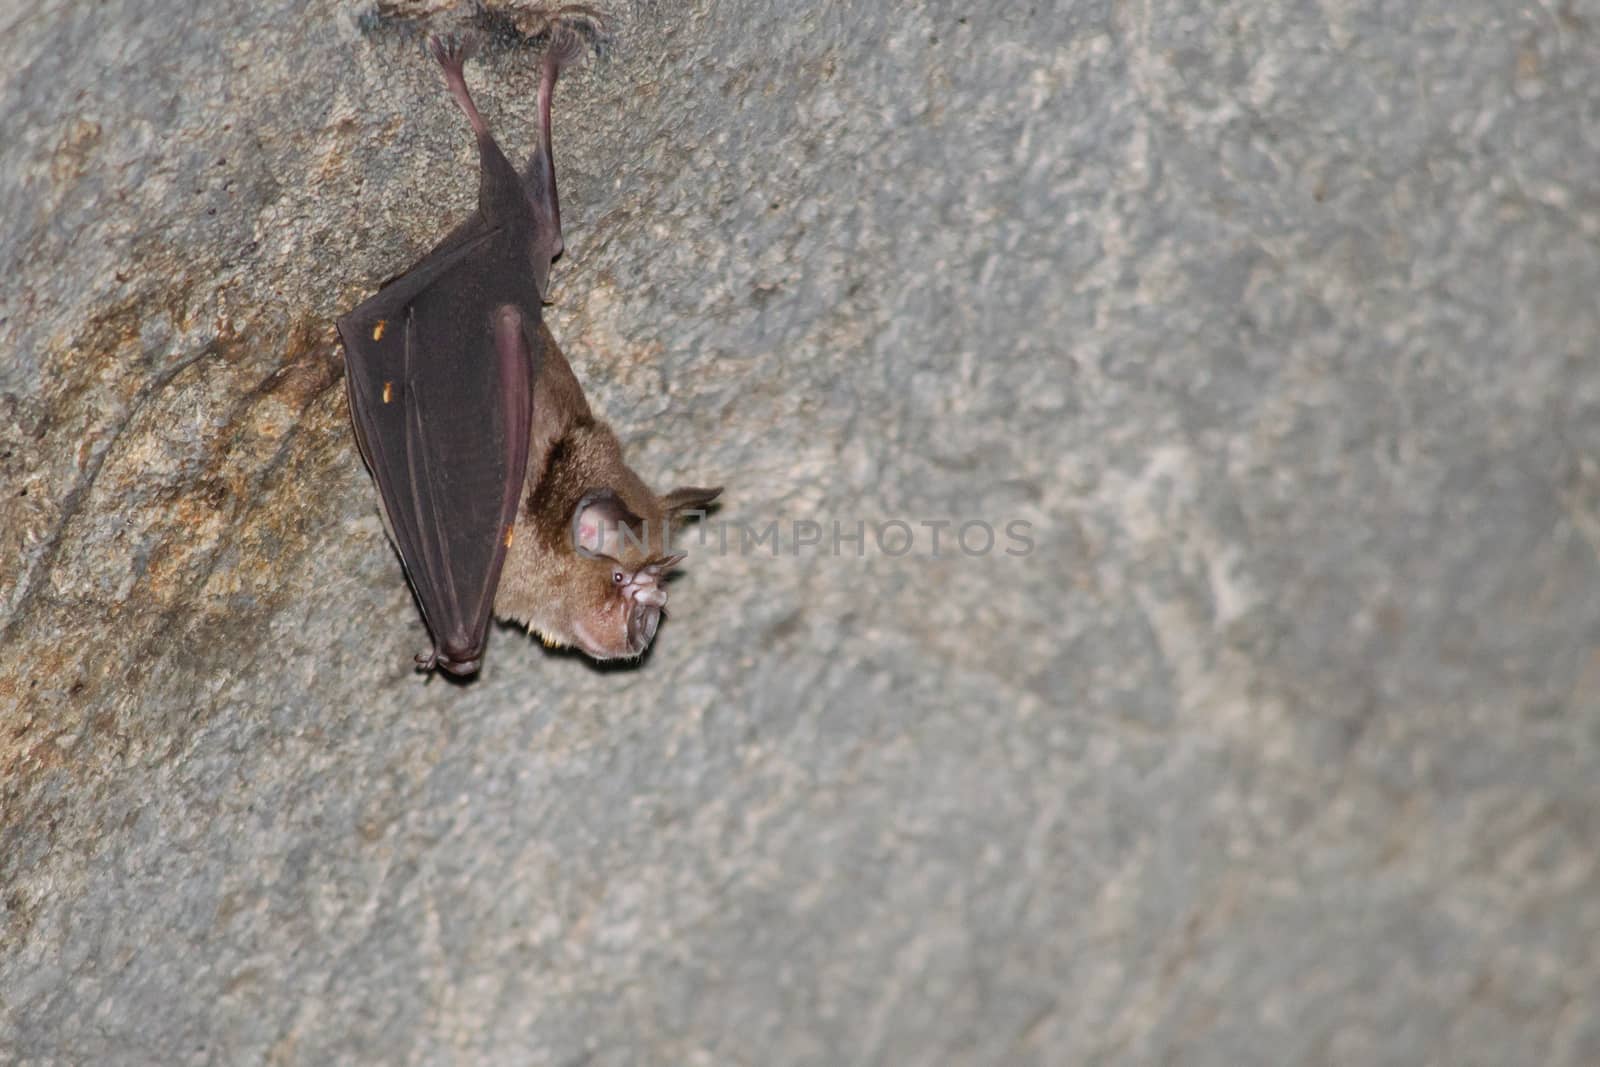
(499, 187)
(564, 49)
(452, 54)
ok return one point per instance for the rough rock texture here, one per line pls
(1277, 321)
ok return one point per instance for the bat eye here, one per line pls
(616, 577)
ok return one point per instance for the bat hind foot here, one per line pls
(451, 53)
(572, 29)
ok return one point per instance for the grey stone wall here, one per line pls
(1276, 321)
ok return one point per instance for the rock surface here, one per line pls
(1276, 322)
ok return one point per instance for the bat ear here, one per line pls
(689, 498)
(662, 566)
(601, 521)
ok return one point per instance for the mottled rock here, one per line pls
(1274, 323)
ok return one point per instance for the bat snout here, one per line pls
(624, 630)
(642, 623)
(645, 599)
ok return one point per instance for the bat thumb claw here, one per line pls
(448, 662)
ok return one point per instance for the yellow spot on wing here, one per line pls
(388, 392)
(377, 330)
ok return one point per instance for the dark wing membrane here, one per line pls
(441, 398)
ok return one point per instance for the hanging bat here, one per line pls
(501, 491)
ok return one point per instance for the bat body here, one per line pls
(478, 435)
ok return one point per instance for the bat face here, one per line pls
(622, 611)
(606, 613)
(621, 576)
(618, 561)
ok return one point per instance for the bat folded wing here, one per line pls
(440, 371)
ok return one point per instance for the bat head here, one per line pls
(625, 564)
(613, 566)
